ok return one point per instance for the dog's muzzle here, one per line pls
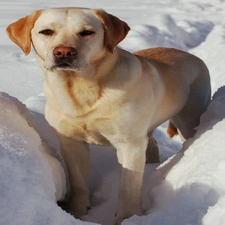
(64, 56)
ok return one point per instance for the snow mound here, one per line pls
(32, 180)
(212, 53)
(22, 85)
(189, 188)
(162, 30)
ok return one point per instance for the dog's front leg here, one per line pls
(77, 158)
(131, 157)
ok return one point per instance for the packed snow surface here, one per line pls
(186, 188)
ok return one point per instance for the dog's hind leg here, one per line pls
(152, 151)
(189, 117)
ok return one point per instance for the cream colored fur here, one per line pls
(109, 96)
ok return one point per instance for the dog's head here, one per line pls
(68, 38)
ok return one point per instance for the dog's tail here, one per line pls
(172, 130)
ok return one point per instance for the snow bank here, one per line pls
(189, 188)
(212, 52)
(32, 180)
(22, 79)
(164, 31)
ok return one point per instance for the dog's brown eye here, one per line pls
(86, 33)
(47, 32)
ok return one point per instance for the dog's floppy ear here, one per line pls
(20, 31)
(115, 29)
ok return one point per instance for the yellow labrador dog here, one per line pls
(100, 94)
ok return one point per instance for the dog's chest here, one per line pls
(78, 128)
(81, 114)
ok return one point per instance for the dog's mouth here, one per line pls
(63, 65)
(67, 66)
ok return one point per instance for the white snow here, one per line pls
(187, 188)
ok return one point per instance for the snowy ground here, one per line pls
(187, 188)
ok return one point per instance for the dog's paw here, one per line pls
(120, 217)
(117, 221)
(79, 206)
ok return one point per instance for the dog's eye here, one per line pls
(47, 32)
(86, 33)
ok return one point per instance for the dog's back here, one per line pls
(199, 92)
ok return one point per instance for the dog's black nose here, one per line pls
(63, 52)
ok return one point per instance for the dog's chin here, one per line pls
(67, 67)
